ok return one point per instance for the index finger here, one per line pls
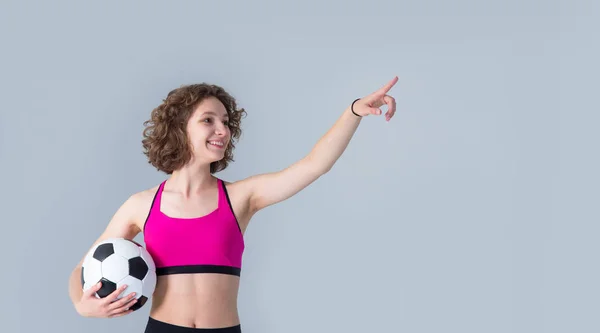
(383, 90)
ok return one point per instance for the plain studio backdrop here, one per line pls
(471, 211)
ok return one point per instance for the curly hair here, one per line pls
(165, 141)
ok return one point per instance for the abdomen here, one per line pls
(196, 300)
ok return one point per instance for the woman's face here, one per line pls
(208, 130)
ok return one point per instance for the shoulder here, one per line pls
(139, 205)
(143, 196)
(128, 220)
(244, 190)
(238, 188)
(238, 194)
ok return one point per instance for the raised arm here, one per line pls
(270, 188)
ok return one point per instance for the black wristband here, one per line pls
(352, 108)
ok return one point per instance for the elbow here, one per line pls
(316, 167)
(323, 170)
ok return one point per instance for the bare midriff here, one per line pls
(205, 300)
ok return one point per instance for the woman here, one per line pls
(193, 222)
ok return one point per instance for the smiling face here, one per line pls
(208, 131)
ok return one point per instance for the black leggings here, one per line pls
(156, 326)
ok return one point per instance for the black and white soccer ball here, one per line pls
(118, 261)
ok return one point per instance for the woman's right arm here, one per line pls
(122, 225)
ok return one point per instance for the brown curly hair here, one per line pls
(165, 140)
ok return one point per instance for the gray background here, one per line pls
(472, 211)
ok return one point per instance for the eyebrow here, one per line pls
(215, 114)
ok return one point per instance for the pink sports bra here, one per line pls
(212, 243)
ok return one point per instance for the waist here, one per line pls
(196, 300)
(157, 326)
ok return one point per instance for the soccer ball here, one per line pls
(118, 261)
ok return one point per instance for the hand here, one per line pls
(370, 104)
(107, 307)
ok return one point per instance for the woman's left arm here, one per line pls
(267, 189)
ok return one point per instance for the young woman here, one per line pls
(193, 222)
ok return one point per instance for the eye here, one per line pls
(226, 122)
(206, 120)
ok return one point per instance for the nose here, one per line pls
(221, 129)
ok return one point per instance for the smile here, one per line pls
(217, 144)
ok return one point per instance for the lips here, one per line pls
(216, 143)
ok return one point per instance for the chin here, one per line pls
(216, 155)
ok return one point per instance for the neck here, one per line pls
(188, 181)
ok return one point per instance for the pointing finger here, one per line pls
(383, 90)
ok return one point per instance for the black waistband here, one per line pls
(157, 326)
(191, 269)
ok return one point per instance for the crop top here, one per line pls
(212, 243)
